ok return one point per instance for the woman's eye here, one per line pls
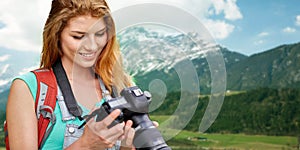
(100, 34)
(77, 37)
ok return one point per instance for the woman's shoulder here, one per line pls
(30, 79)
(28, 76)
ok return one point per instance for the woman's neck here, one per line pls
(75, 72)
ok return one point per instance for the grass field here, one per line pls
(191, 140)
(187, 140)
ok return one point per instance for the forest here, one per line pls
(261, 111)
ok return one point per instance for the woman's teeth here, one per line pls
(87, 54)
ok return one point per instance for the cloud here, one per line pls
(4, 82)
(219, 29)
(263, 34)
(22, 24)
(202, 9)
(2, 25)
(259, 42)
(196, 7)
(4, 58)
(289, 30)
(298, 20)
(229, 8)
(26, 70)
(4, 69)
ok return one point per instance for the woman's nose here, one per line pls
(91, 44)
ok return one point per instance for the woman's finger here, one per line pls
(110, 118)
(129, 135)
(116, 132)
(155, 123)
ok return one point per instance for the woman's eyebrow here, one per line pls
(79, 32)
(102, 30)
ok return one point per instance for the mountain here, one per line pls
(171, 58)
(275, 68)
(13, 63)
(152, 57)
(3, 100)
(172, 80)
(145, 50)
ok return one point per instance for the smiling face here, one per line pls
(82, 41)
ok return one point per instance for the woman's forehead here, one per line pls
(86, 23)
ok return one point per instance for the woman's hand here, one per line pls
(97, 135)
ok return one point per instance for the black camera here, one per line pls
(134, 104)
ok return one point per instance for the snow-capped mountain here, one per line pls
(150, 55)
(146, 50)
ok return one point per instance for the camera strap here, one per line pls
(66, 90)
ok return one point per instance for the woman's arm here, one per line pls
(21, 118)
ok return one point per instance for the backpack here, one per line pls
(44, 104)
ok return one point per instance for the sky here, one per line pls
(244, 26)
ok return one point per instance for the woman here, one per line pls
(80, 36)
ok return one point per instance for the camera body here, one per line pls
(134, 105)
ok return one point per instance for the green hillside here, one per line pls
(276, 68)
(3, 100)
(262, 111)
